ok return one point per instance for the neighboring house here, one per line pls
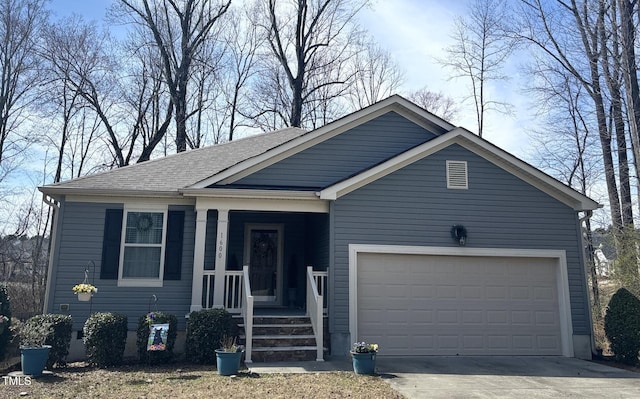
(380, 199)
(603, 265)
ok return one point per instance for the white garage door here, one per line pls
(458, 305)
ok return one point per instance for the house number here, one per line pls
(220, 245)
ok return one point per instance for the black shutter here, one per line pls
(173, 247)
(111, 244)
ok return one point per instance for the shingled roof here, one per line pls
(171, 173)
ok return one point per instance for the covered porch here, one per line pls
(254, 255)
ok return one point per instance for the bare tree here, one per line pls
(569, 36)
(627, 37)
(479, 53)
(179, 29)
(20, 24)
(243, 39)
(310, 42)
(78, 58)
(376, 75)
(144, 92)
(435, 102)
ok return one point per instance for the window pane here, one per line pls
(144, 228)
(141, 262)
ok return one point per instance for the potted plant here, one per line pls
(33, 352)
(229, 355)
(84, 291)
(363, 356)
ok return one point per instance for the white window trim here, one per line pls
(138, 281)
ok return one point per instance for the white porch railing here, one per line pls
(315, 312)
(233, 290)
(247, 314)
(208, 282)
(320, 278)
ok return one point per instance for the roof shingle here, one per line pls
(177, 171)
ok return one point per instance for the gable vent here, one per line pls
(457, 175)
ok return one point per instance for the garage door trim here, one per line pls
(562, 279)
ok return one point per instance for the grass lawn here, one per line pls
(189, 381)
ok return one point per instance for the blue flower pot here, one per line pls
(228, 362)
(34, 359)
(364, 363)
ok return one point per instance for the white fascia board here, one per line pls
(249, 193)
(528, 173)
(481, 147)
(262, 204)
(141, 200)
(58, 191)
(394, 103)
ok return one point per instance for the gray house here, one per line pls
(388, 225)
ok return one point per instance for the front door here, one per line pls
(263, 254)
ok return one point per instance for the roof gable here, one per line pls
(394, 103)
(482, 148)
(341, 156)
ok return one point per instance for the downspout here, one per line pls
(587, 215)
(55, 205)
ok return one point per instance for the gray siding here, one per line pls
(344, 155)
(413, 207)
(80, 241)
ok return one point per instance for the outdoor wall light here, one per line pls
(459, 234)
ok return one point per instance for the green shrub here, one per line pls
(144, 325)
(205, 330)
(105, 337)
(622, 326)
(5, 310)
(59, 337)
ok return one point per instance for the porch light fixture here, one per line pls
(459, 234)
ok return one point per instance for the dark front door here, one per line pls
(264, 258)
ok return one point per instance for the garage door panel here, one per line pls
(447, 305)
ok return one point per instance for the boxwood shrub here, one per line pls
(5, 310)
(205, 329)
(144, 325)
(59, 336)
(622, 326)
(105, 337)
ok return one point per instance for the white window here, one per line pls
(142, 247)
(457, 177)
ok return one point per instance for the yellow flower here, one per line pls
(88, 288)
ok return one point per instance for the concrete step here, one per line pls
(284, 354)
(285, 341)
(281, 320)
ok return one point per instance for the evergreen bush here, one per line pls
(5, 310)
(144, 325)
(205, 330)
(105, 337)
(59, 337)
(622, 326)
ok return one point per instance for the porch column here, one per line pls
(198, 259)
(221, 257)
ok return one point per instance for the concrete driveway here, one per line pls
(506, 377)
